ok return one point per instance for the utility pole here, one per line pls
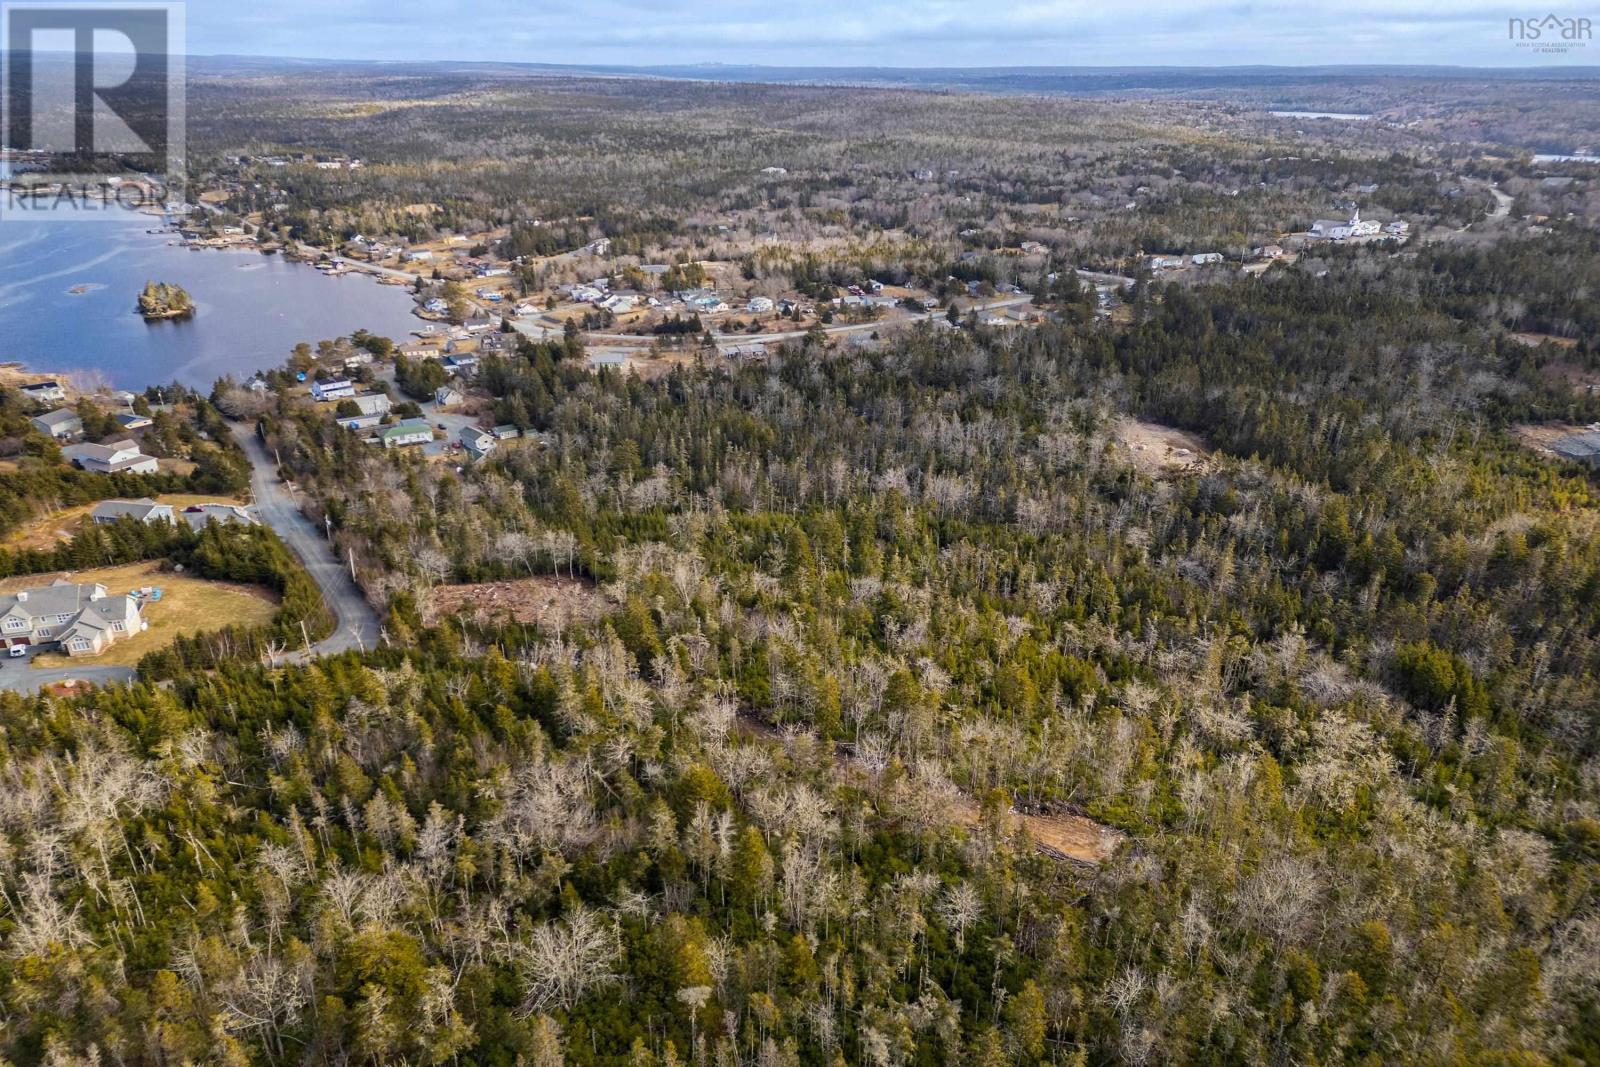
(305, 636)
(327, 527)
(352, 552)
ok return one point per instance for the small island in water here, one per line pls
(163, 301)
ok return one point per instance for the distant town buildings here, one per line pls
(1344, 229)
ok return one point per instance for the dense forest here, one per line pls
(856, 612)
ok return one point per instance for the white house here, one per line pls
(80, 619)
(759, 304)
(119, 457)
(60, 424)
(1201, 259)
(45, 392)
(335, 389)
(1336, 230)
(478, 442)
(372, 407)
(409, 432)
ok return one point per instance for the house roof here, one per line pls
(372, 403)
(103, 453)
(60, 598)
(406, 429)
(58, 417)
(1579, 445)
(140, 509)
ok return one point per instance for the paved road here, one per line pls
(16, 676)
(357, 625)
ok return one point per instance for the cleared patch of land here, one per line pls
(1070, 837)
(47, 531)
(544, 601)
(1534, 340)
(1541, 435)
(1064, 836)
(1156, 449)
(187, 606)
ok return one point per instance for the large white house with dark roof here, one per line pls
(118, 457)
(81, 620)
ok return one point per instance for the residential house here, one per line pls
(409, 432)
(1202, 259)
(507, 432)
(1269, 252)
(481, 324)
(119, 457)
(81, 620)
(334, 389)
(614, 360)
(142, 510)
(447, 397)
(371, 407)
(60, 424)
(45, 392)
(478, 443)
(132, 420)
(759, 304)
(461, 364)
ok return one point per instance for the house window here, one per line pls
(79, 645)
(15, 624)
(45, 631)
(118, 627)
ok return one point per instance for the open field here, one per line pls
(47, 531)
(188, 605)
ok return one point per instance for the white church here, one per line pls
(1340, 230)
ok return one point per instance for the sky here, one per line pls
(902, 33)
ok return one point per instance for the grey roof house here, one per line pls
(60, 424)
(80, 619)
(142, 510)
(119, 457)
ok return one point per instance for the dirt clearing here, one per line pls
(544, 601)
(1540, 436)
(1156, 449)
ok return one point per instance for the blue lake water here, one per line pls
(251, 310)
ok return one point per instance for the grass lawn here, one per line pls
(187, 605)
(50, 530)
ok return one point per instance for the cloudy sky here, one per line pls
(884, 32)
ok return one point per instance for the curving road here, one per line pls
(356, 625)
